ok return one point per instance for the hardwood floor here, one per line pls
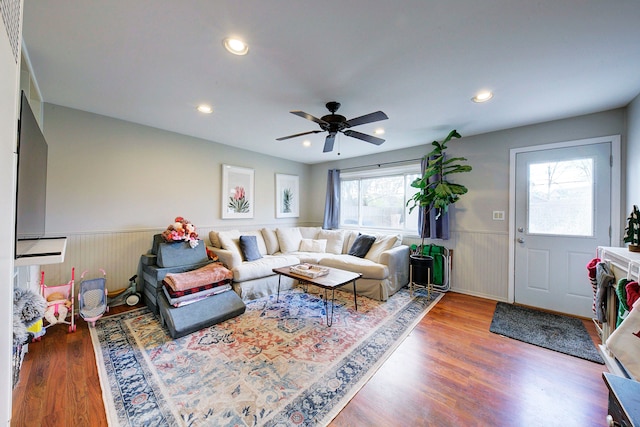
(450, 371)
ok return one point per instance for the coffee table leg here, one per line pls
(326, 306)
(355, 298)
(278, 294)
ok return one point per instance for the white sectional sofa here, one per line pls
(384, 267)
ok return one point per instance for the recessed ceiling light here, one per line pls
(379, 131)
(482, 96)
(306, 143)
(204, 108)
(235, 46)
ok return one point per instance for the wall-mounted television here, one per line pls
(31, 189)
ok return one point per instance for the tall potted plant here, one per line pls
(436, 192)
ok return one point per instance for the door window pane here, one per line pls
(561, 198)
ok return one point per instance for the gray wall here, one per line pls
(112, 183)
(488, 154)
(111, 175)
(480, 244)
(633, 156)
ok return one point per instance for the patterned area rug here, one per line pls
(563, 334)
(278, 364)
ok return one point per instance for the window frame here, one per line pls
(410, 168)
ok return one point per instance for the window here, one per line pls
(377, 198)
(561, 199)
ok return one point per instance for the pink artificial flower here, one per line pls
(239, 194)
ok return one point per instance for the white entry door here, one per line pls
(562, 214)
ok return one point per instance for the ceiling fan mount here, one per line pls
(334, 123)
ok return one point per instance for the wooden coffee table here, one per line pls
(331, 281)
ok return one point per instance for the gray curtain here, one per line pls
(332, 204)
(428, 226)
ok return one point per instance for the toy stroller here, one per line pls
(92, 298)
(59, 302)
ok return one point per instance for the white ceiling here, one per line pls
(153, 61)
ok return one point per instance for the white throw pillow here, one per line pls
(382, 243)
(335, 240)
(229, 240)
(311, 245)
(271, 240)
(309, 232)
(289, 239)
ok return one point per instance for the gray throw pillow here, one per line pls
(361, 245)
(249, 248)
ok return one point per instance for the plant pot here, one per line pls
(634, 248)
(421, 269)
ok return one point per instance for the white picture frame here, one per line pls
(287, 196)
(237, 192)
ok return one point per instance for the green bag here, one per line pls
(439, 264)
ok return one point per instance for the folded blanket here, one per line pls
(194, 290)
(211, 273)
(188, 299)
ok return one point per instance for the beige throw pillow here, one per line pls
(311, 245)
(381, 244)
(335, 240)
(271, 240)
(289, 239)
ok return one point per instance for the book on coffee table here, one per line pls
(309, 270)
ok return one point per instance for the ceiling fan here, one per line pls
(334, 123)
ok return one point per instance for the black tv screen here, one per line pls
(31, 192)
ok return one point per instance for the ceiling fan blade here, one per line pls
(367, 118)
(309, 117)
(328, 143)
(298, 134)
(372, 139)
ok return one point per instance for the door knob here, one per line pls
(521, 229)
(520, 240)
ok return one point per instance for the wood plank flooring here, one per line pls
(450, 371)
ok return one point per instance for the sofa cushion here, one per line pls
(230, 240)
(349, 238)
(249, 248)
(383, 243)
(180, 253)
(335, 240)
(262, 267)
(271, 240)
(289, 239)
(213, 238)
(309, 232)
(361, 245)
(368, 268)
(313, 245)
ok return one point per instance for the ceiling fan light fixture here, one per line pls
(306, 143)
(235, 46)
(379, 131)
(204, 108)
(482, 96)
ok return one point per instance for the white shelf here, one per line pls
(41, 251)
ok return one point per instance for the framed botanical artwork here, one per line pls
(237, 192)
(287, 196)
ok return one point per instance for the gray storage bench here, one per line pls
(168, 258)
(190, 318)
(179, 257)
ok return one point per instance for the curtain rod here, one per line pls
(381, 164)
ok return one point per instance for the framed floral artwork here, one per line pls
(237, 192)
(287, 196)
